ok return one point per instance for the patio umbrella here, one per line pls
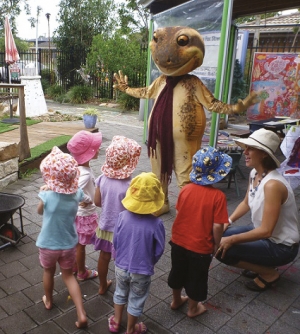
(11, 56)
(11, 52)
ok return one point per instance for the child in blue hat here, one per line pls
(197, 229)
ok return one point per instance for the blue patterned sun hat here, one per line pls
(209, 166)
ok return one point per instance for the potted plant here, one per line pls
(90, 117)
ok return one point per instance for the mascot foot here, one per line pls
(164, 209)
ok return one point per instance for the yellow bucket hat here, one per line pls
(144, 195)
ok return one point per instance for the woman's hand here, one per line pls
(225, 244)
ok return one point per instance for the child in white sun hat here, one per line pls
(84, 146)
(139, 242)
(58, 237)
(122, 156)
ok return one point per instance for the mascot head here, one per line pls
(177, 50)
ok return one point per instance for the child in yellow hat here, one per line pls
(139, 242)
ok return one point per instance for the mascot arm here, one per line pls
(149, 92)
(206, 98)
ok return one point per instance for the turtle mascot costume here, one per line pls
(177, 121)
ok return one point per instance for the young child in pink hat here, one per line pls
(57, 241)
(122, 156)
(84, 146)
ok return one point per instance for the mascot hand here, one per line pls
(122, 81)
(242, 105)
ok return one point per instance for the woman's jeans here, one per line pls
(262, 252)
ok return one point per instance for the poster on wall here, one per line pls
(276, 80)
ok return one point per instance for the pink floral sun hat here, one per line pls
(122, 156)
(60, 172)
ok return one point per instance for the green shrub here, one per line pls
(128, 102)
(80, 94)
(54, 91)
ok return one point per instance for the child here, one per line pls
(84, 146)
(197, 229)
(139, 242)
(122, 156)
(58, 237)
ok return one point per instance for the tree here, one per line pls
(80, 21)
(21, 45)
(134, 19)
(13, 9)
(238, 84)
(110, 54)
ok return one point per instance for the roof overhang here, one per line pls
(240, 7)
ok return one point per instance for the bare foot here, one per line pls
(175, 306)
(48, 304)
(200, 309)
(103, 289)
(82, 322)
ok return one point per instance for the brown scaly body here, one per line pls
(177, 51)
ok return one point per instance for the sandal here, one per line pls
(254, 287)
(140, 329)
(89, 274)
(249, 273)
(113, 327)
(75, 269)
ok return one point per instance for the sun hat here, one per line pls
(84, 145)
(122, 156)
(60, 172)
(209, 166)
(264, 140)
(144, 195)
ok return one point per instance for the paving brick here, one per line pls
(14, 284)
(97, 308)
(17, 323)
(14, 303)
(168, 318)
(39, 313)
(189, 326)
(13, 268)
(246, 324)
(48, 328)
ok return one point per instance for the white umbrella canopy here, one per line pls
(11, 52)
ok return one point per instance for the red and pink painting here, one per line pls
(276, 80)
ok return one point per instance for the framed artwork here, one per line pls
(276, 80)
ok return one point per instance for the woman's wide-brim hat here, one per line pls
(262, 139)
(121, 158)
(60, 172)
(209, 166)
(84, 145)
(144, 195)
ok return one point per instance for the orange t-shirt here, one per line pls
(198, 208)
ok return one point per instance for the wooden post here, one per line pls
(24, 149)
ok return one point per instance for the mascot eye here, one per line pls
(155, 37)
(182, 40)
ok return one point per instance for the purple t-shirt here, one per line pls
(112, 193)
(139, 241)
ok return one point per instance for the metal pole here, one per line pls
(49, 54)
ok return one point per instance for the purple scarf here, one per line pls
(161, 127)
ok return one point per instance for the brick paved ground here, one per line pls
(231, 307)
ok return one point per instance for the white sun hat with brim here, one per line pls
(262, 139)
